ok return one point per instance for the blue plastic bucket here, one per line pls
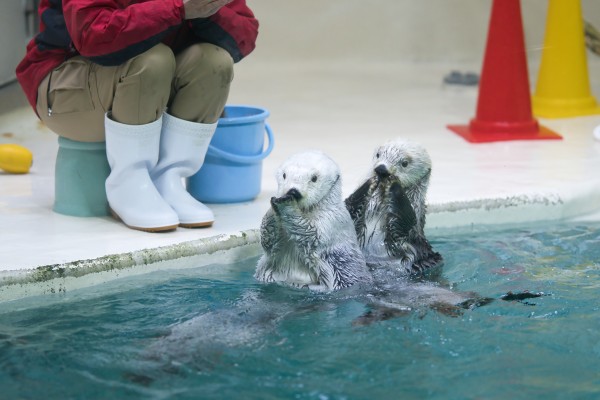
(232, 169)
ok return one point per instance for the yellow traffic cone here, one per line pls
(563, 87)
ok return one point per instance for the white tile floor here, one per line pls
(346, 112)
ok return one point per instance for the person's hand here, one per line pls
(202, 8)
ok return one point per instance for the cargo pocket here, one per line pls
(68, 88)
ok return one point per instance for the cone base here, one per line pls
(564, 108)
(541, 133)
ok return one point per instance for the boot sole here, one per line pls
(196, 224)
(154, 229)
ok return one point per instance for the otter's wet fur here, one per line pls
(307, 235)
(389, 209)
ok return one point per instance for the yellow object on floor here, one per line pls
(15, 159)
(563, 86)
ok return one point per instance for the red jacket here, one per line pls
(109, 32)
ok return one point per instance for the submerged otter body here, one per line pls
(388, 209)
(307, 235)
(255, 316)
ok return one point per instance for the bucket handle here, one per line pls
(244, 159)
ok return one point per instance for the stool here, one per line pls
(79, 178)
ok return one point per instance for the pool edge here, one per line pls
(455, 216)
(59, 278)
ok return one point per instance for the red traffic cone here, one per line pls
(504, 103)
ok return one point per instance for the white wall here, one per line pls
(389, 30)
(13, 37)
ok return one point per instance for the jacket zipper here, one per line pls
(48, 94)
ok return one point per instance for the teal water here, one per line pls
(214, 333)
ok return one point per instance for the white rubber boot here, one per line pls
(183, 145)
(132, 151)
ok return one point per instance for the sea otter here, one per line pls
(307, 235)
(388, 209)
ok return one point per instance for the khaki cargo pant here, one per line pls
(192, 85)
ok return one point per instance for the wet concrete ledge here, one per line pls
(571, 203)
(59, 278)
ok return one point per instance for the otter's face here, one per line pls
(405, 161)
(309, 177)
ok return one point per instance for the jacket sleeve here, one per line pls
(233, 28)
(110, 35)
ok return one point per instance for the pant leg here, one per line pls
(201, 84)
(67, 105)
(74, 97)
(142, 87)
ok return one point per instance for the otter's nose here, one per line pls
(382, 171)
(293, 192)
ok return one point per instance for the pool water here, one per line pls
(214, 333)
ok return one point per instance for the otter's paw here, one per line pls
(396, 187)
(449, 310)
(274, 205)
(379, 314)
(276, 202)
